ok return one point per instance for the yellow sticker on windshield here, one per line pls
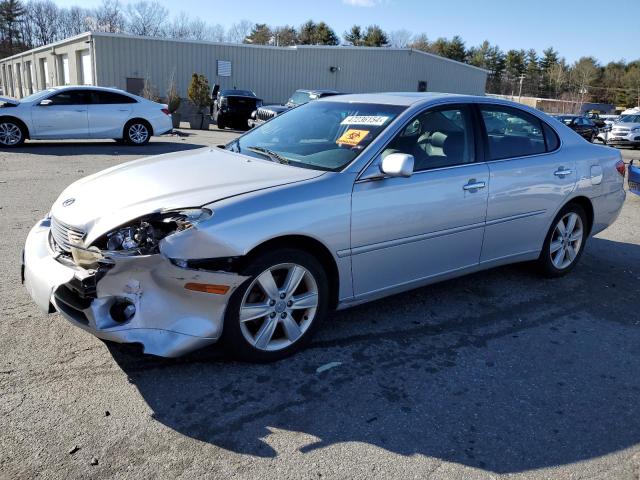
(352, 137)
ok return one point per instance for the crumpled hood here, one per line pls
(107, 199)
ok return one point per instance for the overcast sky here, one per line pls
(607, 30)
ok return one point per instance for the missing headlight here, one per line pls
(142, 236)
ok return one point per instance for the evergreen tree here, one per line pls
(260, 35)
(353, 36)
(375, 37)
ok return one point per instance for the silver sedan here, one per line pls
(332, 204)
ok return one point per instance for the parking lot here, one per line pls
(497, 373)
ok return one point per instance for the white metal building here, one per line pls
(124, 61)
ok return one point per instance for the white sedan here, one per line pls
(82, 112)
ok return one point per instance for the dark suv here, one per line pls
(267, 112)
(233, 107)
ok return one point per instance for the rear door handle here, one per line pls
(473, 185)
(562, 172)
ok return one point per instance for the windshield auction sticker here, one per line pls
(352, 137)
(373, 120)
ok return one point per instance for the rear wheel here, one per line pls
(137, 132)
(11, 133)
(277, 310)
(565, 242)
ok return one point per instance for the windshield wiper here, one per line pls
(273, 156)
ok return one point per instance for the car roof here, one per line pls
(404, 99)
(318, 90)
(89, 87)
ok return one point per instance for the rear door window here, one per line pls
(111, 98)
(511, 132)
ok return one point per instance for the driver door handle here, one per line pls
(473, 185)
(562, 172)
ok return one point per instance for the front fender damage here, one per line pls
(168, 319)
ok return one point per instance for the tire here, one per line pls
(562, 260)
(282, 330)
(12, 133)
(137, 132)
(220, 122)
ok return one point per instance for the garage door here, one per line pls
(85, 61)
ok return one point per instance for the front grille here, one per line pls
(64, 236)
(265, 115)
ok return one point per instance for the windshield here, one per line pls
(242, 93)
(37, 95)
(318, 135)
(565, 120)
(298, 98)
(629, 119)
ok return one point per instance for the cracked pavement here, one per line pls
(497, 374)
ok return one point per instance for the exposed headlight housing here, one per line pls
(143, 235)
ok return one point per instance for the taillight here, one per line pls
(621, 167)
(166, 111)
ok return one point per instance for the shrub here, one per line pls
(198, 91)
(173, 99)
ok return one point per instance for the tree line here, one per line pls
(32, 23)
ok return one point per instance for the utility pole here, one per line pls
(520, 89)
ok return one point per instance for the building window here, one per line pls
(224, 68)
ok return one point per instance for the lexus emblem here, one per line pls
(68, 201)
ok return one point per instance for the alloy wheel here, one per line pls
(10, 134)
(278, 307)
(566, 240)
(138, 133)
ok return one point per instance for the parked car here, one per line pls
(626, 131)
(254, 243)
(234, 107)
(581, 125)
(634, 178)
(299, 97)
(596, 118)
(82, 112)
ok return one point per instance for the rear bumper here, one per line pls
(169, 320)
(606, 209)
(162, 125)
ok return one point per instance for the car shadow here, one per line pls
(107, 147)
(498, 370)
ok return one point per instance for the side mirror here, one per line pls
(46, 102)
(397, 165)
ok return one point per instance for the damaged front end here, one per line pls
(122, 288)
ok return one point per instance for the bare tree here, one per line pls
(218, 33)
(44, 18)
(147, 18)
(239, 31)
(179, 27)
(73, 21)
(109, 17)
(557, 77)
(400, 38)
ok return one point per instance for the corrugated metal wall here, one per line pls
(274, 73)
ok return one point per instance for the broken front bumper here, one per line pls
(169, 320)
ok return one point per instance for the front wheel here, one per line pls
(565, 242)
(137, 133)
(11, 134)
(276, 311)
